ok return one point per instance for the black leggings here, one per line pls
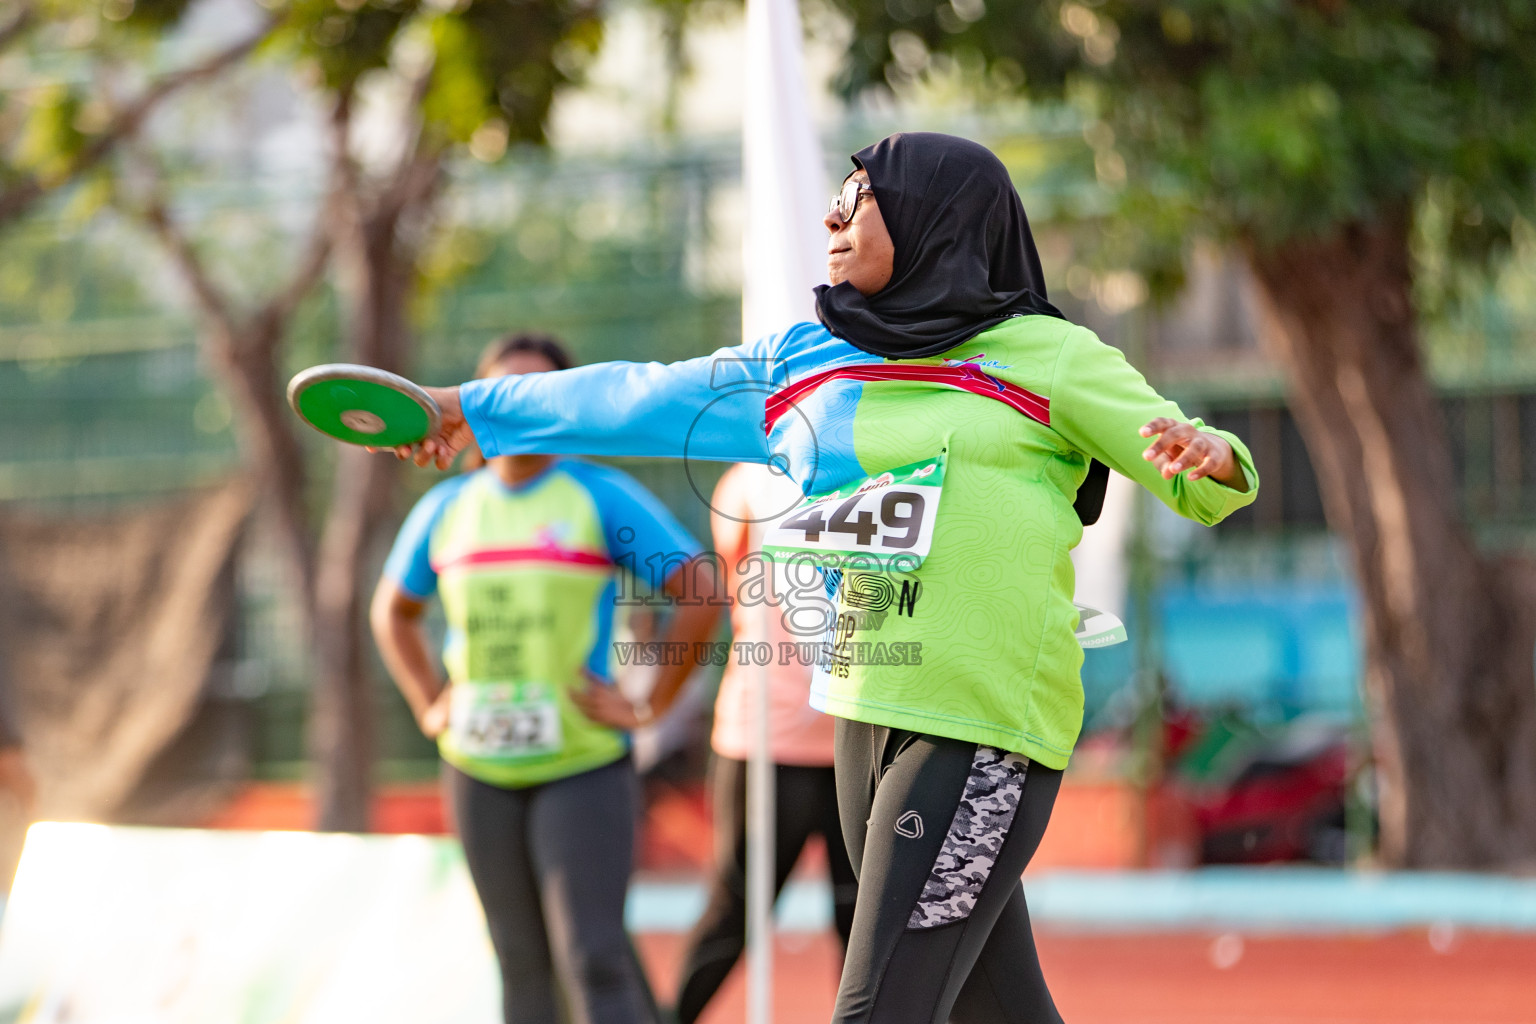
(805, 803)
(940, 831)
(551, 864)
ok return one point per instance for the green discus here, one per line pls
(363, 405)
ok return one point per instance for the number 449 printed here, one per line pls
(883, 522)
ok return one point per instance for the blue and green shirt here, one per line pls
(527, 576)
(975, 643)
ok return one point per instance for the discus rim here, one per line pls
(304, 380)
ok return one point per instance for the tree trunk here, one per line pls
(1448, 633)
(376, 256)
(245, 349)
(341, 734)
(269, 449)
(340, 724)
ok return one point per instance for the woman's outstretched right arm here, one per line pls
(705, 408)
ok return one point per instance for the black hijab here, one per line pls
(965, 259)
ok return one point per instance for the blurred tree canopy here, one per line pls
(1328, 140)
(1256, 120)
(493, 65)
(98, 85)
(435, 78)
(490, 70)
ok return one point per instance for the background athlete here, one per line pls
(938, 360)
(800, 739)
(524, 555)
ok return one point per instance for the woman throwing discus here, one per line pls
(946, 414)
(525, 555)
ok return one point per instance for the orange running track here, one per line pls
(1192, 978)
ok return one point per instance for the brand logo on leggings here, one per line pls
(910, 825)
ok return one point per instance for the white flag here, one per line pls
(784, 244)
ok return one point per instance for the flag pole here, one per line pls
(783, 257)
(760, 830)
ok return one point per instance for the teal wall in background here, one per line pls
(1278, 650)
(1291, 648)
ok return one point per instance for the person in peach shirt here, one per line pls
(800, 740)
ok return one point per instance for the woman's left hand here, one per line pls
(434, 720)
(1183, 446)
(602, 702)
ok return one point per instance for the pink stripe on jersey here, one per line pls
(966, 377)
(504, 556)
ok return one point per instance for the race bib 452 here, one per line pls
(504, 721)
(884, 522)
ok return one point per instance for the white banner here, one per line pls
(110, 925)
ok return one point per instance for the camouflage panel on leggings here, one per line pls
(981, 823)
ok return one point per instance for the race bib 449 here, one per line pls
(884, 522)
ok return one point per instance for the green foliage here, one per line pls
(489, 68)
(50, 136)
(65, 71)
(525, 50)
(494, 65)
(155, 15)
(149, 15)
(48, 279)
(1263, 119)
(345, 39)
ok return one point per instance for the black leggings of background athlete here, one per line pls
(980, 970)
(552, 864)
(805, 804)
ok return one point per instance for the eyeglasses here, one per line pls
(846, 203)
